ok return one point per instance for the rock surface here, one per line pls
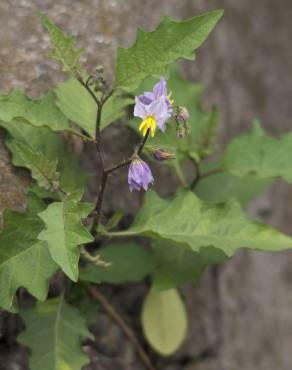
(241, 311)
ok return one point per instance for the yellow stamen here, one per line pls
(171, 101)
(148, 123)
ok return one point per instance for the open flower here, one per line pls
(160, 89)
(139, 175)
(153, 115)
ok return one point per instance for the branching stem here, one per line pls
(199, 176)
(98, 143)
(105, 173)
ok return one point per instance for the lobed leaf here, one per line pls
(40, 112)
(63, 48)
(64, 232)
(220, 187)
(24, 260)
(50, 145)
(54, 332)
(164, 321)
(42, 169)
(154, 51)
(259, 155)
(187, 220)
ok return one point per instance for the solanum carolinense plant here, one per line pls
(60, 237)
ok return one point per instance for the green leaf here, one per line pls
(114, 109)
(175, 265)
(54, 332)
(24, 260)
(203, 124)
(50, 145)
(80, 299)
(130, 262)
(188, 221)
(259, 155)
(41, 112)
(64, 232)
(115, 219)
(154, 51)
(43, 193)
(164, 321)
(77, 104)
(220, 187)
(42, 169)
(63, 48)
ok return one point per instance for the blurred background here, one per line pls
(240, 312)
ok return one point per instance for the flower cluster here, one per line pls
(154, 108)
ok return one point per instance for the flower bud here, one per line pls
(162, 155)
(181, 114)
(182, 130)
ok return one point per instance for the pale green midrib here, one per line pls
(56, 336)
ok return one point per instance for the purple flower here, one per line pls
(154, 107)
(153, 115)
(139, 175)
(159, 90)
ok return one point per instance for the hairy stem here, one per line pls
(122, 324)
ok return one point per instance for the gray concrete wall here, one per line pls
(241, 316)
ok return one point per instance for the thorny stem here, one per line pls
(94, 291)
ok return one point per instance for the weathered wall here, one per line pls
(241, 315)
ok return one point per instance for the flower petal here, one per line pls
(140, 109)
(160, 88)
(158, 108)
(139, 175)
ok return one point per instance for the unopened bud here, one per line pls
(181, 114)
(182, 130)
(162, 155)
(99, 69)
